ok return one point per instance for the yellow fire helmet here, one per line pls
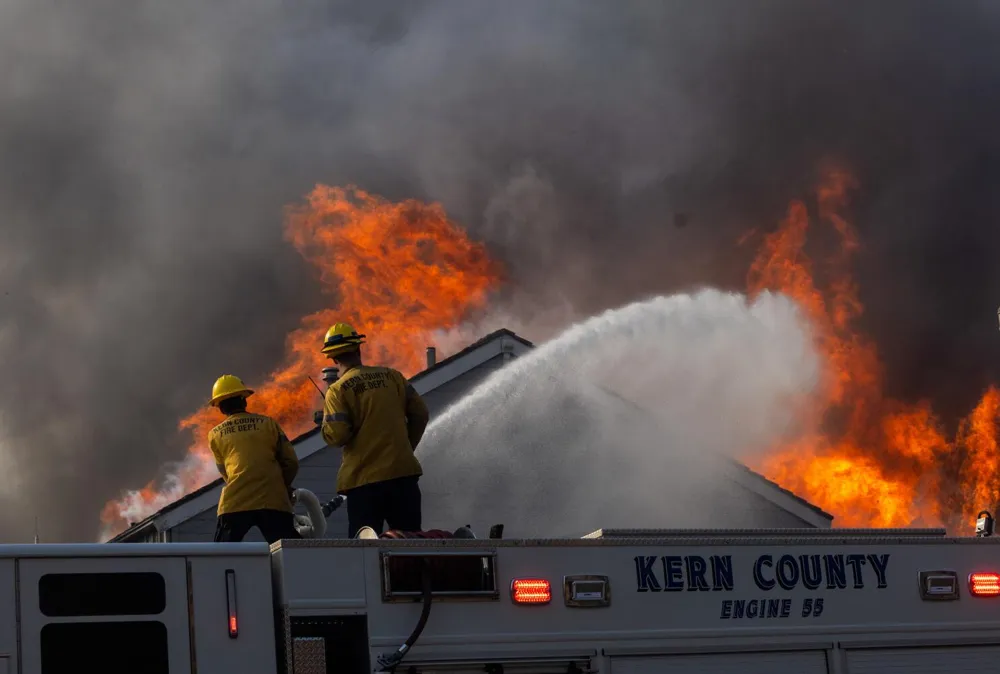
(228, 386)
(341, 338)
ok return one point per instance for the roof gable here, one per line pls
(748, 478)
(496, 343)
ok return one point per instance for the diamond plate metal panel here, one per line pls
(309, 655)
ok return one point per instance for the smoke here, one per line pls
(604, 150)
(620, 421)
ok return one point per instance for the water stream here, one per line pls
(628, 419)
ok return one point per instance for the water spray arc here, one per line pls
(613, 422)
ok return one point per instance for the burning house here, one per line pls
(741, 498)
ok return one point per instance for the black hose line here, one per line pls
(389, 663)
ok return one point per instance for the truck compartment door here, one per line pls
(799, 662)
(104, 614)
(8, 616)
(925, 660)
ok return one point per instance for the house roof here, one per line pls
(502, 332)
(494, 337)
(741, 470)
(500, 343)
(490, 346)
(774, 485)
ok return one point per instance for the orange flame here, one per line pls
(396, 271)
(868, 460)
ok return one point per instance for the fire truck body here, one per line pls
(632, 602)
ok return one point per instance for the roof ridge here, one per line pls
(482, 341)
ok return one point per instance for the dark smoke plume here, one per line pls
(605, 150)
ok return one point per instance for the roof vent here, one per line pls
(431, 357)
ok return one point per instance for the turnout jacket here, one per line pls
(378, 419)
(257, 462)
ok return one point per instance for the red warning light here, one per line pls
(234, 631)
(530, 591)
(984, 584)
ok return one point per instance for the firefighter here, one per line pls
(378, 419)
(257, 463)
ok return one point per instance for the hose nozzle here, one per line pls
(333, 504)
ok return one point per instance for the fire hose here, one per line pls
(313, 523)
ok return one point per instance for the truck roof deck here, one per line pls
(38, 550)
(759, 533)
(660, 537)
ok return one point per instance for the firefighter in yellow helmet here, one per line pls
(257, 463)
(378, 419)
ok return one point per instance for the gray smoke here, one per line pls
(604, 150)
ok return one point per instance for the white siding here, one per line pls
(200, 529)
(448, 393)
(734, 506)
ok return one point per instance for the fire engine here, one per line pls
(837, 601)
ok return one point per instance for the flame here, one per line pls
(400, 271)
(396, 271)
(867, 459)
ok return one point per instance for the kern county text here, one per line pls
(771, 574)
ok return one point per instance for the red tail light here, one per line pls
(984, 584)
(530, 591)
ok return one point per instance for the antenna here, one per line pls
(321, 395)
(36, 529)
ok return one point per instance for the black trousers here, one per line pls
(274, 525)
(394, 502)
